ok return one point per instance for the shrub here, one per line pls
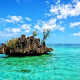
(35, 33)
(12, 43)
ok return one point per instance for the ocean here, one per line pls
(61, 64)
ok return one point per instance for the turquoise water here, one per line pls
(61, 64)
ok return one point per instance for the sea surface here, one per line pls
(61, 64)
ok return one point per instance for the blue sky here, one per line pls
(62, 17)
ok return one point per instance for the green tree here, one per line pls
(46, 33)
(35, 33)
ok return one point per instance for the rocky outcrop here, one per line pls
(26, 46)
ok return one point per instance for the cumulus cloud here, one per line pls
(60, 28)
(8, 32)
(7, 29)
(12, 19)
(50, 24)
(72, 25)
(12, 30)
(28, 19)
(62, 11)
(38, 27)
(75, 34)
(26, 26)
(16, 30)
(27, 31)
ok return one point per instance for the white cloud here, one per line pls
(72, 25)
(47, 14)
(50, 24)
(47, 2)
(41, 25)
(26, 26)
(75, 0)
(12, 19)
(27, 31)
(62, 11)
(58, 2)
(76, 34)
(61, 28)
(10, 32)
(15, 30)
(7, 29)
(28, 19)
(37, 27)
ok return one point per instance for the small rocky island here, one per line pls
(25, 46)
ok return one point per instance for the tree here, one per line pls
(46, 33)
(35, 33)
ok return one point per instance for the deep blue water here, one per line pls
(61, 64)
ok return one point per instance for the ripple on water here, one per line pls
(61, 64)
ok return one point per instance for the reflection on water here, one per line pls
(3, 55)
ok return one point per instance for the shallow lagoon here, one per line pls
(61, 64)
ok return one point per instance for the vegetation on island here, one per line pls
(46, 33)
(35, 33)
(24, 46)
(12, 43)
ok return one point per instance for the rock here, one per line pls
(4, 49)
(26, 46)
